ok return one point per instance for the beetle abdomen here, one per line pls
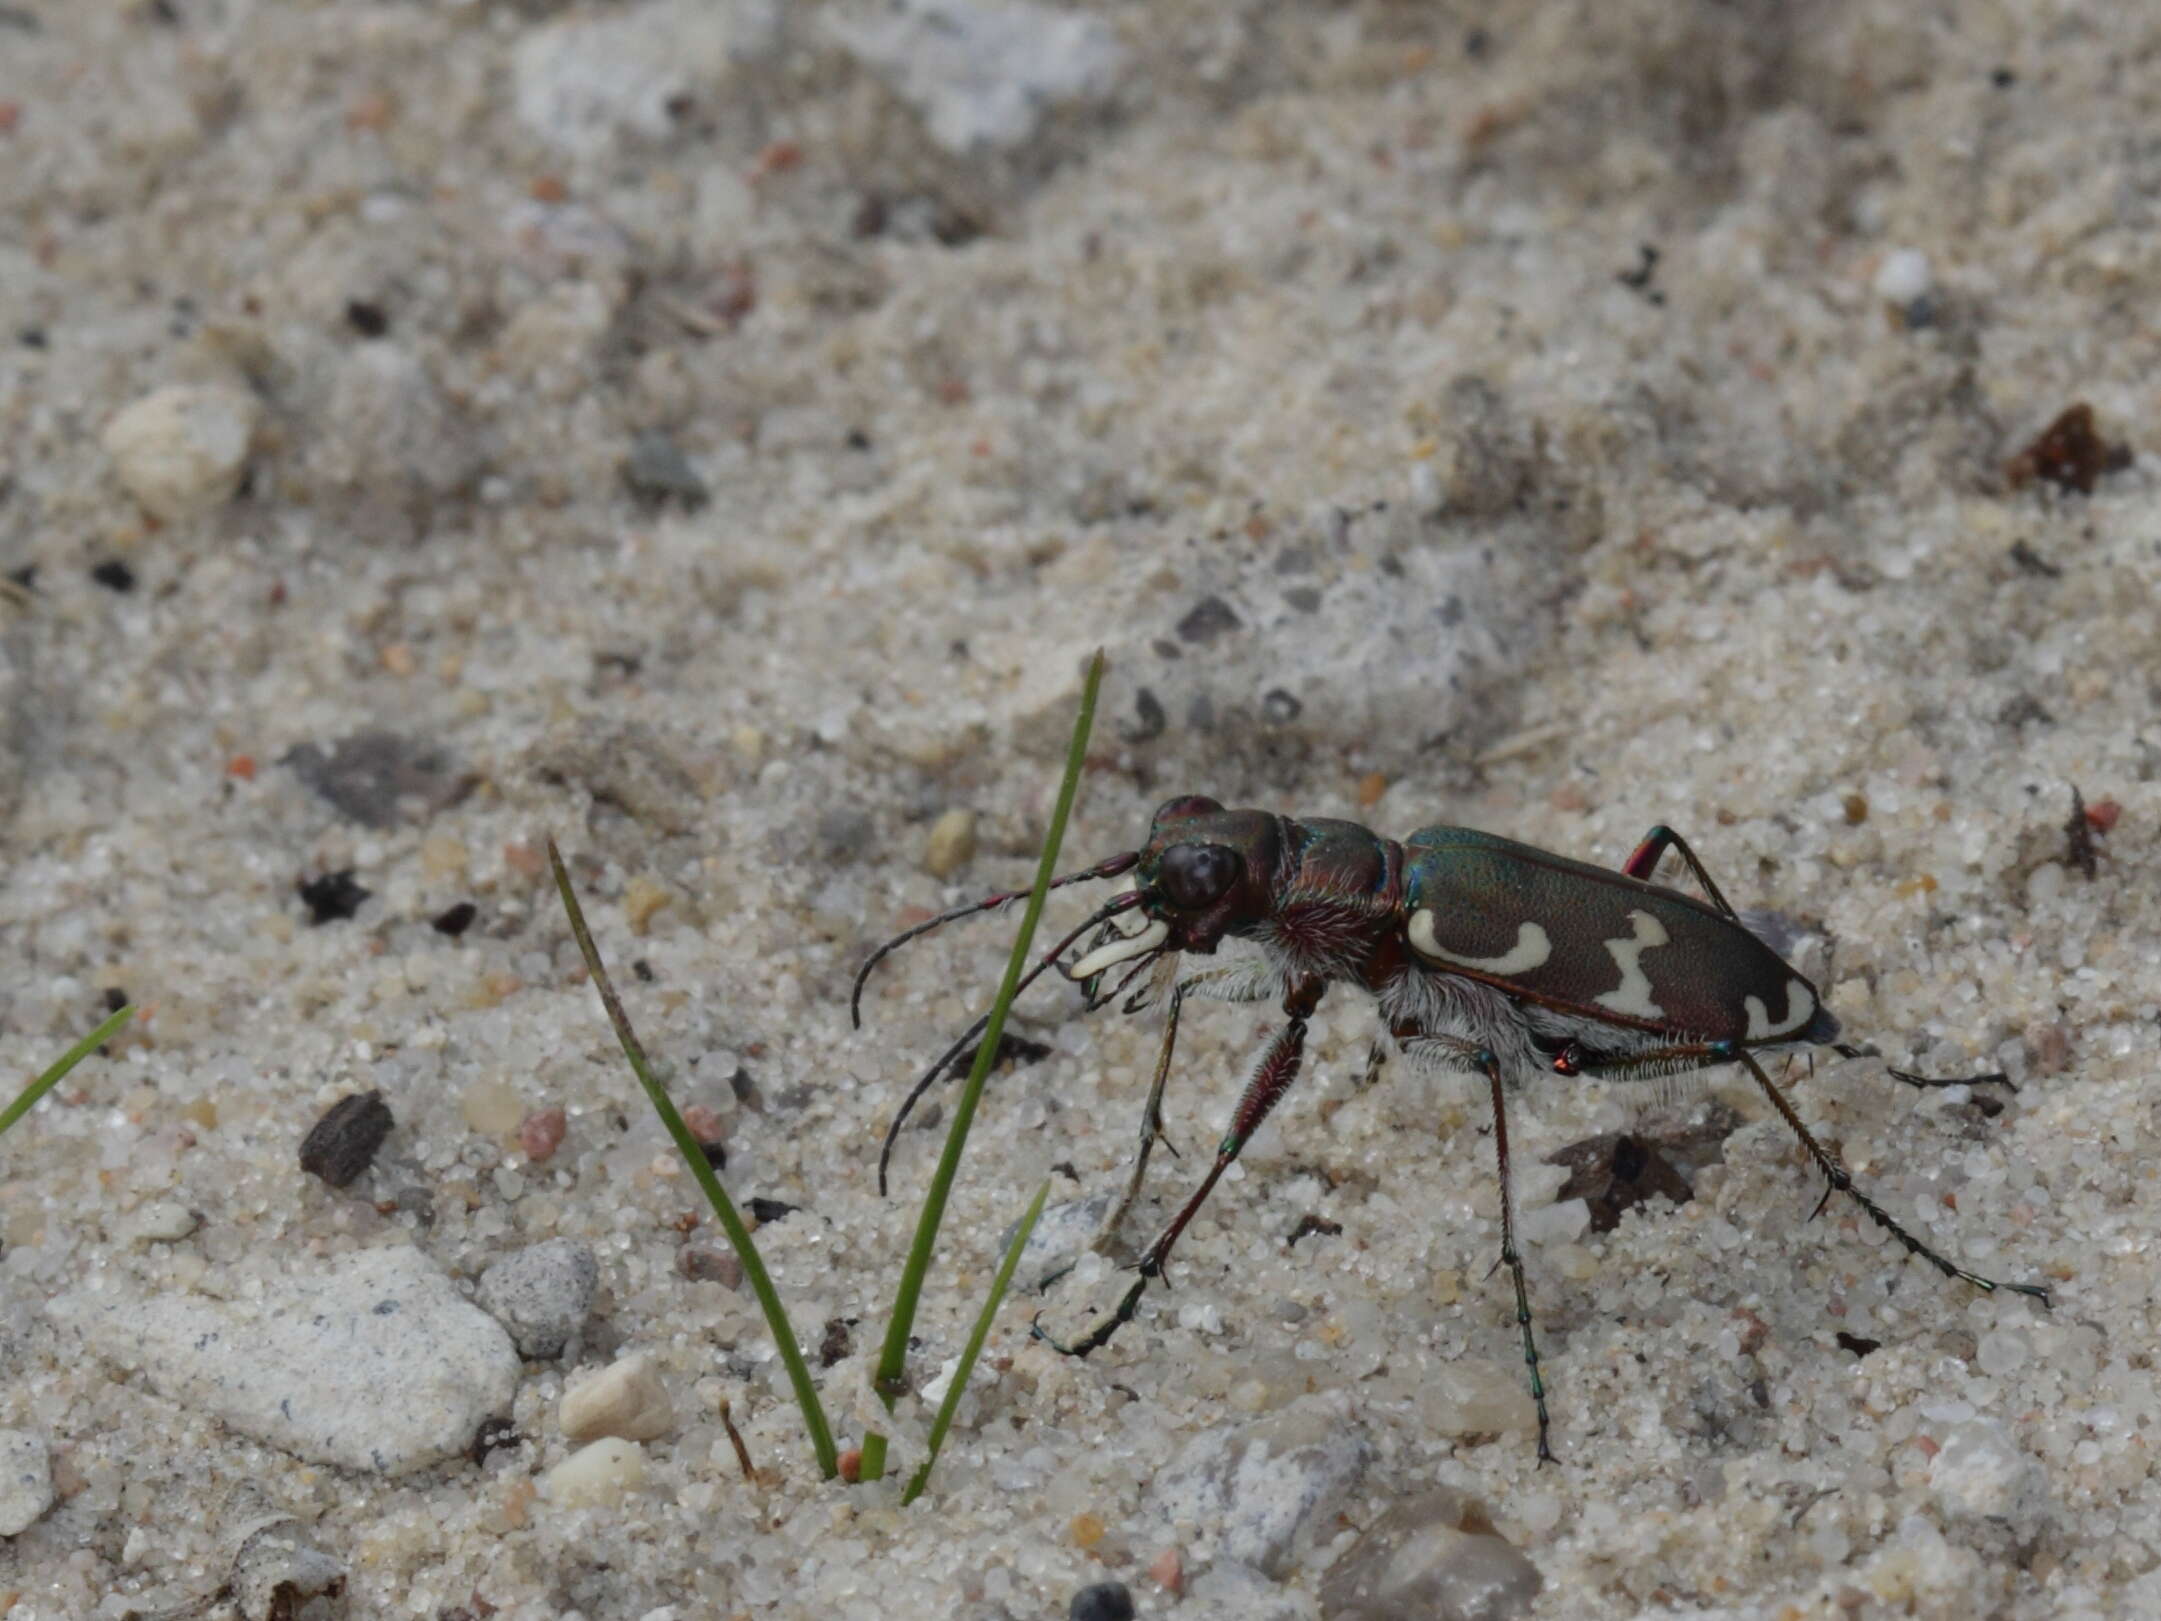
(1597, 943)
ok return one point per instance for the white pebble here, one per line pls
(982, 75)
(542, 1294)
(26, 1480)
(2002, 1352)
(181, 450)
(160, 1221)
(597, 1475)
(376, 1363)
(1474, 1396)
(626, 1399)
(1903, 276)
(1561, 1223)
(1982, 1473)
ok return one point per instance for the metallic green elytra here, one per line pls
(1483, 955)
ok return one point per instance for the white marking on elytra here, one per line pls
(1112, 953)
(1530, 951)
(1633, 995)
(1800, 1008)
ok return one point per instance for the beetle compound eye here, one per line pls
(1195, 875)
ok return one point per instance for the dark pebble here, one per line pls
(1106, 1601)
(455, 920)
(343, 1143)
(845, 831)
(1207, 619)
(369, 320)
(114, 576)
(333, 897)
(657, 470)
(372, 777)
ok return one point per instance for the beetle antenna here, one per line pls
(1109, 868)
(1119, 903)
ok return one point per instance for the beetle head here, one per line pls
(1204, 873)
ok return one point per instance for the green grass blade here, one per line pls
(701, 1168)
(974, 1348)
(893, 1360)
(27, 1099)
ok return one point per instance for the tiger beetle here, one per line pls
(1485, 956)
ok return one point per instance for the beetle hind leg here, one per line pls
(1993, 1077)
(1839, 1180)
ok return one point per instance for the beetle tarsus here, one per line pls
(1992, 1077)
(1099, 1336)
(1841, 1181)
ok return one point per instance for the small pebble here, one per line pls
(706, 1124)
(26, 1480)
(656, 470)
(182, 450)
(951, 843)
(378, 778)
(642, 900)
(1474, 1396)
(492, 1108)
(1435, 1556)
(1168, 1571)
(1105, 1601)
(708, 1263)
(541, 1133)
(626, 1399)
(1561, 1223)
(278, 1572)
(344, 1141)
(1981, 1473)
(597, 1475)
(1273, 1484)
(161, 1221)
(1903, 276)
(2001, 1351)
(542, 1294)
(1060, 1238)
(331, 897)
(984, 74)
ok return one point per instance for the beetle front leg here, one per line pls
(1272, 1076)
(1244, 982)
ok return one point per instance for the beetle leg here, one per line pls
(1656, 843)
(1272, 1077)
(1994, 1077)
(1841, 1181)
(1376, 1061)
(1242, 982)
(1454, 1053)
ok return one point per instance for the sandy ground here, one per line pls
(714, 433)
